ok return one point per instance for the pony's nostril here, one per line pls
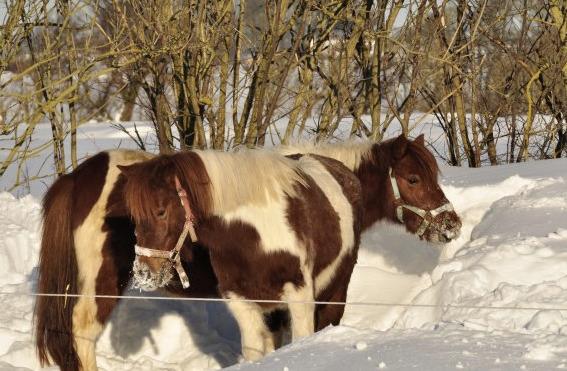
(450, 235)
(451, 224)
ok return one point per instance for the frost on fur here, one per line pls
(145, 279)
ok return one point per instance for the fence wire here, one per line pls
(269, 301)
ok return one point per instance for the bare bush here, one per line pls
(228, 73)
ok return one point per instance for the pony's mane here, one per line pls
(216, 182)
(350, 153)
(248, 177)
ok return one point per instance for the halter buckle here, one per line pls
(174, 255)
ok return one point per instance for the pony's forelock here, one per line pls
(425, 159)
(382, 156)
(140, 191)
(195, 181)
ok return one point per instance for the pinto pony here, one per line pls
(399, 179)
(88, 238)
(275, 229)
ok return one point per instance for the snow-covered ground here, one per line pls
(511, 256)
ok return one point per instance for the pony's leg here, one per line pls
(301, 309)
(90, 315)
(270, 341)
(254, 334)
(89, 243)
(278, 324)
(336, 291)
(102, 271)
(86, 330)
(330, 314)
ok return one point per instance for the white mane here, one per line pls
(248, 176)
(350, 153)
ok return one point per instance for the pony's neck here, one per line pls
(370, 162)
(373, 175)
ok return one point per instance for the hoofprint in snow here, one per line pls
(512, 254)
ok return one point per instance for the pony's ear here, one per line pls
(126, 170)
(399, 147)
(420, 140)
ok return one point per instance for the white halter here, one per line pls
(173, 255)
(428, 216)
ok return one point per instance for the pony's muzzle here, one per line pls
(148, 279)
(451, 227)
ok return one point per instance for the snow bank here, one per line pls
(19, 247)
(516, 257)
(19, 244)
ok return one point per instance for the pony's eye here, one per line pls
(161, 214)
(413, 179)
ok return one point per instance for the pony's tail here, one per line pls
(53, 315)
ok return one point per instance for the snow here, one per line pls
(446, 348)
(19, 221)
(511, 256)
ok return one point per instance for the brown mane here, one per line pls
(145, 179)
(349, 153)
(425, 159)
(384, 156)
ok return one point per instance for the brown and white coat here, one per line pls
(275, 229)
(88, 248)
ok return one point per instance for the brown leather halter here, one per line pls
(427, 216)
(174, 255)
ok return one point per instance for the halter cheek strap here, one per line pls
(188, 229)
(427, 216)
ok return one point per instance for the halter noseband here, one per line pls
(428, 216)
(173, 255)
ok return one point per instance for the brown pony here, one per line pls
(88, 239)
